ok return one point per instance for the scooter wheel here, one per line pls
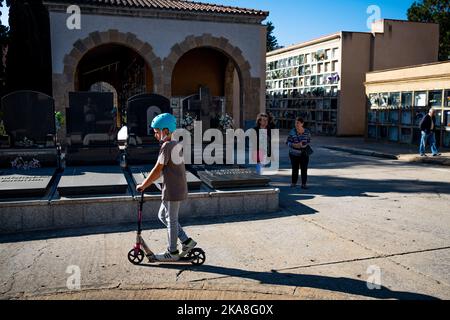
(136, 256)
(197, 256)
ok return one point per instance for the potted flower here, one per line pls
(226, 122)
(188, 122)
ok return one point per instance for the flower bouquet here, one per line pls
(226, 122)
(188, 122)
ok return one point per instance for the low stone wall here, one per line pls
(20, 216)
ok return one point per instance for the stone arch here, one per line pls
(247, 83)
(65, 82)
(112, 36)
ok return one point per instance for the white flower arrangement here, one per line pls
(20, 164)
(188, 122)
(226, 122)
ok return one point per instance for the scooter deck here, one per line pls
(186, 259)
(181, 260)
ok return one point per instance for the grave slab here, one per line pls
(139, 173)
(220, 177)
(92, 181)
(25, 183)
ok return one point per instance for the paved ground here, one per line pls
(362, 217)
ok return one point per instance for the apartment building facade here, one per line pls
(322, 80)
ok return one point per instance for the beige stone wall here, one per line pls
(422, 77)
(396, 44)
(405, 43)
(354, 65)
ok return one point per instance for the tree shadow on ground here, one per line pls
(340, 284)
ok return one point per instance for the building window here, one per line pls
(407, 100)
(307, 58)
(320, 68)
(334, 53)
(447, 99)
(384, 100)
(394, 100)
(420, 99)
(373, 100)
(435, 98)
(333, 66)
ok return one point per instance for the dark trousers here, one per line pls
(302, 163)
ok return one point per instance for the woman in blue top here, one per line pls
(299, 138)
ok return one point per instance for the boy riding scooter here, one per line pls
(174, 188)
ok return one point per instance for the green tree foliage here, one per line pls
(28, 63)
(437, 11)
(272, 42)
(4, 38)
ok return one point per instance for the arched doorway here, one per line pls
(210, 79)
(114, 68)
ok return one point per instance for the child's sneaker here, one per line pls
(168, 256)
(188, 245)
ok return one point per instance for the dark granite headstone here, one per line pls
(141, 109)
(205, 108)
(28, 119)
(25, 183)
(229, 176)
(27, 142)
(92, 181)
(139, 173)
(91, 129)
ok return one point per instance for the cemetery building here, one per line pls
(322, 80)
(63, 163)
(398, 99)
(168, 47)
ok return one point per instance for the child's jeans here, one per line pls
(168, 214)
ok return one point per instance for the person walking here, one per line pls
(427, 128)
(299, 140)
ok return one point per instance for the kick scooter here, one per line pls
(196, 256)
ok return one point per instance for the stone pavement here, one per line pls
(364, 220)
(386, 150)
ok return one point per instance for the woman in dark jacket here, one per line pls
(298, 141)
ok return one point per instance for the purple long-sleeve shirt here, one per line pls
(295, 137)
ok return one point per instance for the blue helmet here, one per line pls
(164, 120)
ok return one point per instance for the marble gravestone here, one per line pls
(30, 183)
(95, 180)
(28, 153)
(91, 129)
(139, 173)
(229, 176)
(141, 109)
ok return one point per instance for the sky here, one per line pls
(301, 20)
